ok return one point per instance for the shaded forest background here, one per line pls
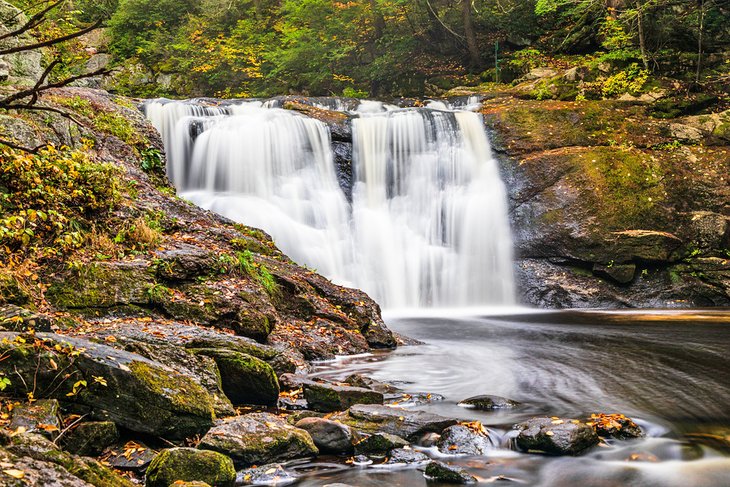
(380, 48)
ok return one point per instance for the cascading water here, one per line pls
(427, 224)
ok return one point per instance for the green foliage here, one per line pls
(118, 126)
(526, 60)
(50, 200)
(351, 92)
(152, 161)
(631, 80)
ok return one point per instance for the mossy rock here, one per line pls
(188, 465)
(330, 397)
(245, 379)
(11, 291)
(40, 417)
(104, 285)
(90, 438)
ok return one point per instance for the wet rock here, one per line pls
(34, 473)
(621, 273)
(448, 474)
(488, 403)
(555, 436)
(91, 438)
(328, 397)
(273, 474)
(190, 464)
(258, 438)
(131, 456)
(41, 417)
(614, 426)
(329, 436)
(379, 444)
(134, 392)
(358, 380)
(414, 399)
(290, 382)
(397, 421)
(90, 471)
(245, 379)
(183, 262)
(406, 456)
(461, 440)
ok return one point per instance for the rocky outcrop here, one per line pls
(610, 207)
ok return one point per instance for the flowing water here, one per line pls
(427, 223)
(666, 370)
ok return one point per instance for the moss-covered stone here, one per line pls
(245, 379)
(329, 397)
(40, 417)
(379, 444)
(104, 285)
(190, 464)
(448, 474)
(258, 438)
(90, 438)
(11, 291)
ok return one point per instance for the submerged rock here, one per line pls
(488, 403)
(358, 380)
(379, 444)
(91, 438)
(448, 474)
(329, 436)
(406, 456)
(258, 438)
(272, 474)
(329, 397)
(405, 423)
(555, 436)
(190, 464)
(614, 426)
(461, 440)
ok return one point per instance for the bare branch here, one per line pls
(33, 22)
(8, 101)
(13, 145)
(52, 42)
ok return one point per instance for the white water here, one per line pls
(427, 225)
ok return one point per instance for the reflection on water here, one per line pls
(667, 370)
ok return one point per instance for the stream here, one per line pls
(668, 370)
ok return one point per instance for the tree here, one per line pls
(54, 74)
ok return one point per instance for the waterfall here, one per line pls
(427, 224)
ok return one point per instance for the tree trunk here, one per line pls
(642, 38)
(699, 40)
(470, 34)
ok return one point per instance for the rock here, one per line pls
(685, 132)
(273, 474)
(90, 438)
(709, 230)
(328, 397)
(245, 379)
(132, 456)
(379, 444)
(555, 436)
(461, 440)
(646, 245)
(448, 474)
(190, 464)
(35, 473)
(290, 382)
(134, 392)
(90, 471)
(539, 73)
(11, 292)
(621, 273)
(488, 403)
(357, 380)
(15, 318)
(614, 426)
(406, 456)
(183, 262)
(258, 438)
(41, 417)
(329, 436)
(407, 400)
(405, 423)
(21, 68)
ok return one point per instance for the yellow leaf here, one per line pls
(16, 474)
(549, 433)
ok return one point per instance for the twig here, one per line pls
(67, 428)
(52, 42)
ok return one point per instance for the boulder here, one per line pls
(614, 426)
(245, 379)
(24, 471)
(41, 417)
(190, 464)
(555, 436)
(15, 318)
(258, 438)
(488, 403)
(379, 444)
(448, 474)
(134, 392)
(405, 423)
(89, 470)
(358, 380)
(621, 273)
(90, 438)
(462, 440)
(329, 436)
(406, 456)
(329, 397)
(131, 457)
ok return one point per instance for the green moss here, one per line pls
(190, 464)
(118, 126)
(183, 393)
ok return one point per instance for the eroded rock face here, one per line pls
(555, 436)
(258, 438)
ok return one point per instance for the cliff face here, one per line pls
(157, 259)
(613, 207)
